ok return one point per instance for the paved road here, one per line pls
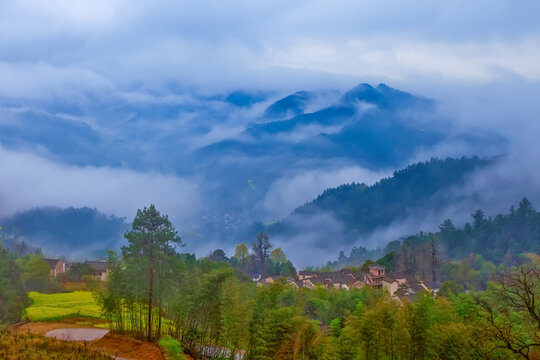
(77, 334)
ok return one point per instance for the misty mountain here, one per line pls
(360, 209)
(290, 105)
(78, 232)
(244, 98)
(236, 149)
(374, 126)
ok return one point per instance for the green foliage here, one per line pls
(13, 298)
(510, 311)
(241, 253)
(500, 239)
(148, 256)
(278, 256)
(450, 288)
(36, 273)
(78, 271)
(211, 307)
(389, 261)
(172, 348)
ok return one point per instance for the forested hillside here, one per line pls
(469, 255)
(61, 231)
(417, 188)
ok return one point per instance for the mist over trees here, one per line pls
(62, 230)
(467, 255)
(416, 189)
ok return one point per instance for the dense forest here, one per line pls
(416, 188)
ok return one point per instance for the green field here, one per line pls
(51, 307)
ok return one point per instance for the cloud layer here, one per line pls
(116, 45)
(28, 181)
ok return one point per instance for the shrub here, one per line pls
(172, 348)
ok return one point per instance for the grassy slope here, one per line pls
(53, 307)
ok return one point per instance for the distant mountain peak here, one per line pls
(242, 98)
(362, 92)
(383, 96)
(291, 105)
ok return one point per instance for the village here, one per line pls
(59, 266)
(399, 286)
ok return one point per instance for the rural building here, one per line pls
(306, 275)
(375, 276)
(398, 285)
(102, 270)
(56, 267)
(390, 284)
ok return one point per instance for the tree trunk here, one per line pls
(150, 296)
(159, 321)
(433, 261)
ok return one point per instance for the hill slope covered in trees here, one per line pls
(419, 187)
(63, 231)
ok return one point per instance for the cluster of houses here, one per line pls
(58, 266)
(398, 285)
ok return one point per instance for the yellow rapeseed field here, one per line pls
(53, 307)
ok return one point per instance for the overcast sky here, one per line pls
(64, 48)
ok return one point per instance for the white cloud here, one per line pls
(289, 192)
(264, 44)
(27, 181)
(401, 59)
(23, 82)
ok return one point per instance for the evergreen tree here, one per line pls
(151, 246)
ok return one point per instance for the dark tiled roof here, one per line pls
(398, 275)
(307, 273)
(317, 280)
(377, 267)
(98, 265)
(360, 275)
(336, 277)
(253, 275)
(417, 287)
(405, 293)
(52, 262)
(432, 285)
